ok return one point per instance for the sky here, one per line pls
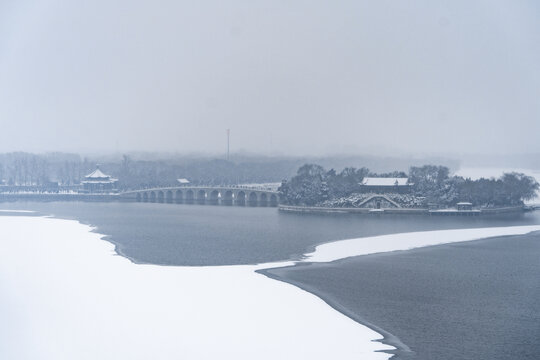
(287, 77)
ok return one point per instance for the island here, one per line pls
(428, 189)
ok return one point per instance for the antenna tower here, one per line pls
(228, 142)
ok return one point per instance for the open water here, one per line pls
(194, 235)
(477, 300)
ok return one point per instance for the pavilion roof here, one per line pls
(97, 174)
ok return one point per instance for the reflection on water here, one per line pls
(173, 234)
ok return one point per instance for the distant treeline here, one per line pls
(314, 185)
(143, 170)
(24, 169)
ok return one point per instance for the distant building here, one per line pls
(464, 206)
(383, 185)
(183, 181)
(97, 181)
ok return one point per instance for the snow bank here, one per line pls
(64, 294)
(405, 241)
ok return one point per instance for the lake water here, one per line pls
(471, 300)
(444, 302)
(190, 235)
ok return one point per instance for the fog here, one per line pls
(287, 77)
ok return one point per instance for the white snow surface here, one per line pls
(64, 294)
(405, 241)
(393, 181)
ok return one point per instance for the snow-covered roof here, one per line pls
(464, 203)
(96, 174)
(374, 181)
(183, 181)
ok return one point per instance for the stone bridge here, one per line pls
(213, 195)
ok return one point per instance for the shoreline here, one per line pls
(83, 296)
(429, 273)
(324, 256)
(387, 338)
(400, 211)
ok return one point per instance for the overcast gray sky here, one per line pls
(294, 77)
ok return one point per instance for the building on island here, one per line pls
(464, 206)
(384, 185)
(97, 181)
(183, 181)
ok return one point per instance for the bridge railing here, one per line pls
(224, 187)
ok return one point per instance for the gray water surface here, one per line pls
(173, 234)
(471, 300)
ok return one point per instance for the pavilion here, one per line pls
(97, 181)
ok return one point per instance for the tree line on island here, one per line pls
(313, 185)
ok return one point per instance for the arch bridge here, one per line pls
(212, 195)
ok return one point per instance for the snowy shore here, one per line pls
(65, 294)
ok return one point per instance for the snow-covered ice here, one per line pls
(65, 295)
(405, 241)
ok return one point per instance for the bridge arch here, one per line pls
(190, 197)
(201, 197)
(227, 198)
(218, 195)
(379, 201)
(240, 198)
(179, 196)
(273, 200)
(263, 199)
(214, 197)
(253, 199)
